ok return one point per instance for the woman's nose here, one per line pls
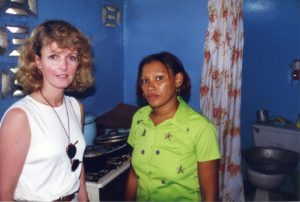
(151, 85)
(63, 64)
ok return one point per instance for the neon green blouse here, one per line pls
(165, 156)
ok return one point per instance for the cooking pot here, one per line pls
(89, 129)
(271, 160)
(95, 157)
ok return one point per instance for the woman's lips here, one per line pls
(62, 76)
(152, 96)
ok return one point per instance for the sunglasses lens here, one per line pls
(75, 164)
(71, 151)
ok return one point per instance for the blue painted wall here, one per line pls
(169, 25)
(272, 31)
(272, 42)
(107, 47)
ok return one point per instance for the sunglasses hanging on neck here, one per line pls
(71, 151)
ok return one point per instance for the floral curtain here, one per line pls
(221, 89)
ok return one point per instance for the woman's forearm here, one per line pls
(82, 193)
(131, 186)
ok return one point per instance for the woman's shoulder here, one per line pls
(23, 103)
(193, 117)
(74, 101)
(71, 98)
(16, 113)
(75, 105)
(198, 116)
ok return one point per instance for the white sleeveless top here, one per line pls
(47, 174)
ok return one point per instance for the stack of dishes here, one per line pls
(112, 137)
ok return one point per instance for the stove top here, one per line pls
(105, 177)
(112, 163)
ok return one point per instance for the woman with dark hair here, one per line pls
(175, 149)
(41, 138)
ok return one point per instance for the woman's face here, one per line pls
(159, 84)
(58, 66)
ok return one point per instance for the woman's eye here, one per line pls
(158, 78)
(73, 58)
(53, 57)
(144, 80)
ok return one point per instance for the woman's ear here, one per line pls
(179, 79)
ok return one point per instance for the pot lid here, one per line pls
(94, 151)
(115, 136)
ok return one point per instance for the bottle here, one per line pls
(298, 121)
(90, 129)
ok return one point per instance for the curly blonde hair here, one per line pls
(67, 37)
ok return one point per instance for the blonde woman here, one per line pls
(41, 139)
